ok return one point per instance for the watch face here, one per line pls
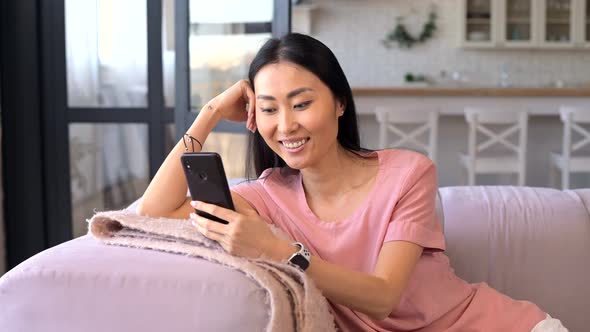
(300, 261)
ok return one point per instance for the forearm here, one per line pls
(167, 190)
(358, 291)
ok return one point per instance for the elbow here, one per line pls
(143, 210)
(380, 315)
(384, 308)
(140, 209)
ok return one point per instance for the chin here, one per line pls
(298, 163)
(294, 164)
(299, 160)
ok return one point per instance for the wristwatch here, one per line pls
(301, 258)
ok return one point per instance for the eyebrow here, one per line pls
(289, 95)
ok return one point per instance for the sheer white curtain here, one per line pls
(123, 51)
(82, 52)
(106, 50)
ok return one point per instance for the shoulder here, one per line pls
(271, 178)
(401, 170)
(250, 195)
(271, 182)
(405, 161)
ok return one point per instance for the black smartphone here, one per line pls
(206, 181)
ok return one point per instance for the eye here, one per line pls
(267, 110)
(302, 105)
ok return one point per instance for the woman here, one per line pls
(368, 218)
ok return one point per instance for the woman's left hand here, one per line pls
(244, 235)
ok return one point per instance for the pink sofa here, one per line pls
(530, 243)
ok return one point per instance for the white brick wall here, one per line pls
(353, 30)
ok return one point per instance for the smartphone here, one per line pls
(206, 181)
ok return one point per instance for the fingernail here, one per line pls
(192, 215)
(194, 204)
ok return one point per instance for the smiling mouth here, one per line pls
(294, 144)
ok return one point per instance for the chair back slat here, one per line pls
(391, 118)
(579, 114)
(491, 116)
(484, 122)
(476, 117)
(572, 117)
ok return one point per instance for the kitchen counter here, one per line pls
(459, 91)
(452, 100)
(545, 129)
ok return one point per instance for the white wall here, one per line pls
(353, 30)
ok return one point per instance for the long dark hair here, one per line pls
(317, 58)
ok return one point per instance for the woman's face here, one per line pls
(296, 114)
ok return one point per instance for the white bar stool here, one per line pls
(572, 118)
(390, 119)
(513, 161)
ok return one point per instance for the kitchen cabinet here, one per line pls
(546, 24)
(557, 23)
(516, 23)
(479, 23)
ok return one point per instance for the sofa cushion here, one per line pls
(530, 243)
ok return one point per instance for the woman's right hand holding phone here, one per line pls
(236, 104)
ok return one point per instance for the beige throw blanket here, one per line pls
(295, 302)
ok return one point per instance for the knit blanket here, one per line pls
(295, 302)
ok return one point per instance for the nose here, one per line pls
(287, 122)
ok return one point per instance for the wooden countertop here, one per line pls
(403, 91)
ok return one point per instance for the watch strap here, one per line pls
(301, 258)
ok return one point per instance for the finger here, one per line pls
(251, 99)
(251, 125)
(215, 210)
(208, 234)
(208, 224)
(251, 122)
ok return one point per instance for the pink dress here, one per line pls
(400, 206)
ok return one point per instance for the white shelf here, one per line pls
(479, 21)
(519, 21)
(559, 21)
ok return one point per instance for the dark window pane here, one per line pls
(2, 241)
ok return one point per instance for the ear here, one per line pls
(341, 107)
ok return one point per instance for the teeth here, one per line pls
(294, 145)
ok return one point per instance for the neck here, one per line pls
(327, 178)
